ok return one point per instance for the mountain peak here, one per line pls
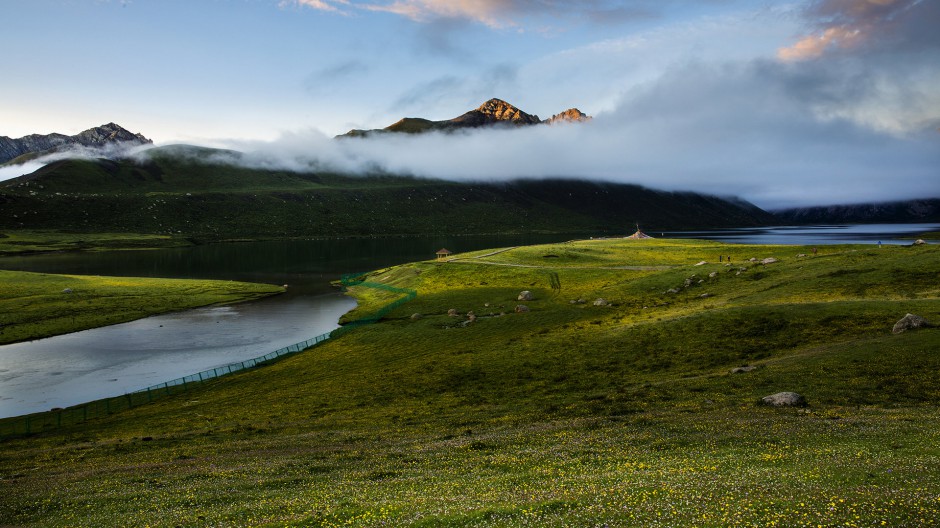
(494, 112)
(571, 115)
(37, 144)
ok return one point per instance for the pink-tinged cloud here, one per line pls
(493, 13)
(322, 5)
(812, 46)
(846, 24)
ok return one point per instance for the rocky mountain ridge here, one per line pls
(40, 144)
(494, 112)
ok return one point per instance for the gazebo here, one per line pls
(443, 253)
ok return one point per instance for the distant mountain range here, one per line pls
(35, 145)
(908, 211)
(494, 112)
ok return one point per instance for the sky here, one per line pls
(780, 103)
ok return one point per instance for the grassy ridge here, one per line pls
(36, 305)
(568, 415)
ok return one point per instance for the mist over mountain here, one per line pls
(492, 113)
(907, 211)
(36, 145)
(210, 195)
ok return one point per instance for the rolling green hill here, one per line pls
(201, 194)
(573, 413)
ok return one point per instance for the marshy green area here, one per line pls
(22, 241)
(36, 305)
(568, 414)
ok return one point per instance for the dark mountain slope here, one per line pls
(206, 200)
(926, 210)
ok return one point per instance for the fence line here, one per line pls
(55, 419)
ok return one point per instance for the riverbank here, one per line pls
(37, 305)
(568, 412)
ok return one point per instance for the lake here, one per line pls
(75, 368)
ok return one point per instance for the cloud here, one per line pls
(865, 25)
(110, 151)
(321, 5)
(497, 14)
(757, 129)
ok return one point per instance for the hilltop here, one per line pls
(494, 112)
(35, 145)
(188, 192)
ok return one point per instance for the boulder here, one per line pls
(600, 302)
(784, 399)
(67, 290)
(919, 242)
(743, 370)
(701, 263)
(712, 275)
(416, 316)
(525, 296)
(769, 260)
(521, 308)
(452, 312)
(909, 322)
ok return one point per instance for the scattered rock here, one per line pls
(672, 290)
(578, 301)
(452, 312)
(471, 317)
(744, 369)
(801, 255)
(712, 275)
(525, 296)
(705, 295)
(416, 316)
(784, 399)
(521, 308)
(909, 322)
(702, 263)
(600, 302)
(769, 260)
(67, 290)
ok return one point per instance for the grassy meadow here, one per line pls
(36, 305)
(574, 413)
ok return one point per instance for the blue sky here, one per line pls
(761, 99)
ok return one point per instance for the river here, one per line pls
(75, 368)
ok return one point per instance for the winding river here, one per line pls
(75, 368)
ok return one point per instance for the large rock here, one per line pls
(521, 308)
(784, 399)
(909, 322)
(525, 296)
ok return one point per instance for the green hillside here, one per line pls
(570, 414)
(200, 194)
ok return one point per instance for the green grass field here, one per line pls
(36, 305)
(569, 414)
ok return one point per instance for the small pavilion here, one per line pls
(443, 253)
